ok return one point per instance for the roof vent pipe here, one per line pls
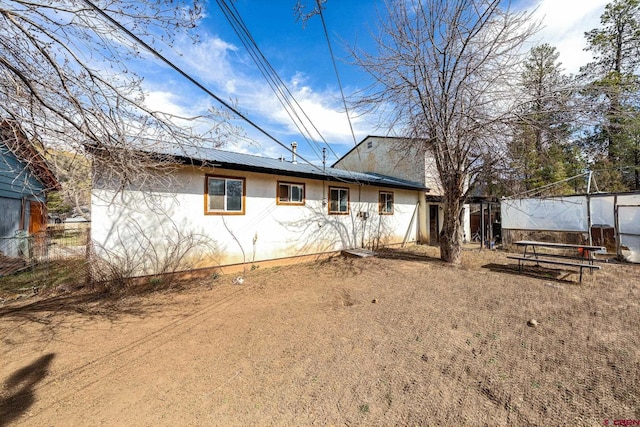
(294, 147)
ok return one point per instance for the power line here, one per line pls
(276, 83)
(191, 79)
(263, 65)
(335, 68)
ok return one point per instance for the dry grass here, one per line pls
(307, 345)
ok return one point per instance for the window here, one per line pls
(224, 195)
(290, 194)
(386, 203)
(338, 200)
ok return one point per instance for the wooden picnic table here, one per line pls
(582, 259)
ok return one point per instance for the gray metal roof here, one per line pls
(248, 162)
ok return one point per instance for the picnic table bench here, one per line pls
(582, 260)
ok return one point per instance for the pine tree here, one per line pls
(540, 153)
(613, 88)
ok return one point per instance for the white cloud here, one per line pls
(166, 102)
(324, 109)
(226, 71)
(564, 24)
(208, 60)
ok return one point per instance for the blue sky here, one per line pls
(300, 56)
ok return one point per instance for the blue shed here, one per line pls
(25, 179)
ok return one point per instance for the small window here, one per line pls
(369, 144)
(290, 194)
(224, 195)
(338, 200)
(386, 203)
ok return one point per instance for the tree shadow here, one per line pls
(90, 303)
(536, 272)
(342, 266)
(403, 255)
(20, 389)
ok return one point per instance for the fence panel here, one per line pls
(56, 256)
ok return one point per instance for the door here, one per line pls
(434, 221)
(37, 217)
(37, 228)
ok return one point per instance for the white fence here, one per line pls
(582, 214)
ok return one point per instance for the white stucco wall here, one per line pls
(145, 226)
(386, 156)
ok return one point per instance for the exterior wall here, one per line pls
(466, 222)
(9, 223)
(386, 156)
(431, 177)
(393, 157)
(16, 181)
(149, 229)
(16, 184)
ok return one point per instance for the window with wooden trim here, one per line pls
(290, 193)
(385, 203)
(224, 195)
(338, 201)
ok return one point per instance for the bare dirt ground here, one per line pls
(307, 345)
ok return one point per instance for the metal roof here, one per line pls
(252, 163)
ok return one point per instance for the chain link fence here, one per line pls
(55, 257)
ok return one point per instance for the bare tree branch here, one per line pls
(447, 70)
(66, 79)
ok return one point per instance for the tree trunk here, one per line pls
(451, 235)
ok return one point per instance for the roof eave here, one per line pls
(310, 175)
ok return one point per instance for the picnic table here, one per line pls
(583, 258)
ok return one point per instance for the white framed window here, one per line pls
(290, 193)
(338, 201)
(385, 203)
(224, 195)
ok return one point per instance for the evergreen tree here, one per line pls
(540, 153)
(613, 88)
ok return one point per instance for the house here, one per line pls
(225, 208)
(25, 180)
(404, 159)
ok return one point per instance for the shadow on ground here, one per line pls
(110, 303)
(402, 255)
(19, 389)
(535, 272)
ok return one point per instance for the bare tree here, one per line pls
(66, 78)
(444, 70)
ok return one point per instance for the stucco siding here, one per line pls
(386, 156)
(145, 227)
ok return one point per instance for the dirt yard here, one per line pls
(399, 339)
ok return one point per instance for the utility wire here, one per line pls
(264, 67)
(273, 79)
(335, 68)
(191, 79)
